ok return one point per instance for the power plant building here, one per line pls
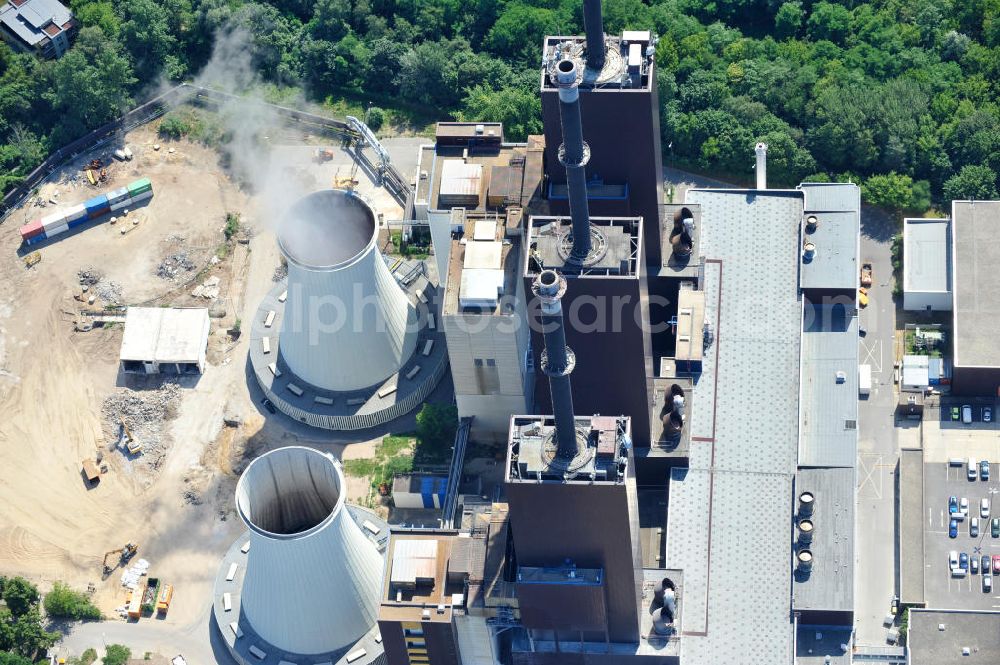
(927, 269)
(976, 355)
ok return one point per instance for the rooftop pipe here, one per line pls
(761, 168)
(593, 24)
(557, 360)
(574, 154)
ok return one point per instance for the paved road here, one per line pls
(199, 642)
(875, 551)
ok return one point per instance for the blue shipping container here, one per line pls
(34, 241)
(79, 222)
(97, 203)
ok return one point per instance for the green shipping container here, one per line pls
(140, 186)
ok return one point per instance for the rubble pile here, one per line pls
(89, 276)
(108, 291)
(145, 413)
(280, 273)
(209, 289)
(173, 265)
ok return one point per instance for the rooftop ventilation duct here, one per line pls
(558, 360)
(313, 578)
(806, 530)
(574, 154)
(812, 223)
(806, 504)
(680, 236)
(761, 150)
(347, 324)
(805, 560)
(593, 25)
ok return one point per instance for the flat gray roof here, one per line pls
(835, 264)
(748, 406)
(926, 255)
(911, 526)
(976, 255)
(830, 583)
(929, 645)
(814, 644)
(828, 420)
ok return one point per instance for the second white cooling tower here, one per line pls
(313, 578)
(348, 325)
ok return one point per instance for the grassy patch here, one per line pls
(394, 456)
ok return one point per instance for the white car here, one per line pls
(987, 583)
(963, 506)
(953, 559)
(984, 508)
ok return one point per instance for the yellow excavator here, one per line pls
(124, 554)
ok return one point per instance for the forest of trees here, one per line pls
(897, 94)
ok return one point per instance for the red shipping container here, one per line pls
(31, 229)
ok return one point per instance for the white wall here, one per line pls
(939, 301)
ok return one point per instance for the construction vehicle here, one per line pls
(124, 554)
(91, 178)
(348, 182)
(863, 297)
(866, 275)
(32, 259)
(323, 155)
(163, 599)
(126, 439)
(91, 471)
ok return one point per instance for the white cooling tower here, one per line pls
(312, 579)
(347, 325)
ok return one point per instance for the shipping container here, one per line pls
(124, 203)
(117, 195)
(50, 233)
(53, 218)
(34, 240)
(53, 223)
(79, 222)
(148, 194)
(32, 229)
(96, 205)
(139, 186)
(73, 213)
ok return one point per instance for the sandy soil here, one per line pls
(53, 381)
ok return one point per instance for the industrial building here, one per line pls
(345, 342)
(927, 265)
(42, 27)
(164, 340)
(976, 309)
(688, 497)
(472, 191)
(953, 636)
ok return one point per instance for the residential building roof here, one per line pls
(28, 19)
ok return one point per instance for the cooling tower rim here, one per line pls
(300, 535)
(359, 255)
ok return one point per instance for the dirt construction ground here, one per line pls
(53, 381)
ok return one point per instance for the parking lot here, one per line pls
(941, 588)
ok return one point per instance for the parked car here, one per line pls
(954, 412)
(984, 508)
(963, 560)
(987, 583)
(953, 559)
(974, 527)
(987, 414)
(996, 564)
(966, 413)
(995, 527)
(952, 504)
(268, 405)
(973, 472)
(985, 563)
(984, 470)
(974, 565)
(953, 529)
(963, 506)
